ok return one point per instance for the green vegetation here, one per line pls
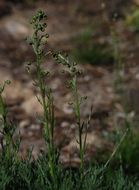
(87, 51)
(47, 172)
(132, 20)
(129, 151)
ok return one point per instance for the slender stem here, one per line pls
(116, 149)
(78, 116)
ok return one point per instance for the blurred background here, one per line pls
(103, 38)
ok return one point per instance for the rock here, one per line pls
(67, 109)
(16, 28)
(32, 106)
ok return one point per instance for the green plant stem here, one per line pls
(78, 116)
(47, 117)
(116, 149)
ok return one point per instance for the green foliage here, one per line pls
(87, 51)
(129, 151)
(132, 20)
(117, 180)
(35, 175)
(9, 146)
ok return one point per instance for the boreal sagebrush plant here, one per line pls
(82, 126)
(37, 40)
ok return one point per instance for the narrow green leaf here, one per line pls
(1, 105)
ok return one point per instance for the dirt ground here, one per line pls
(66, 21)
